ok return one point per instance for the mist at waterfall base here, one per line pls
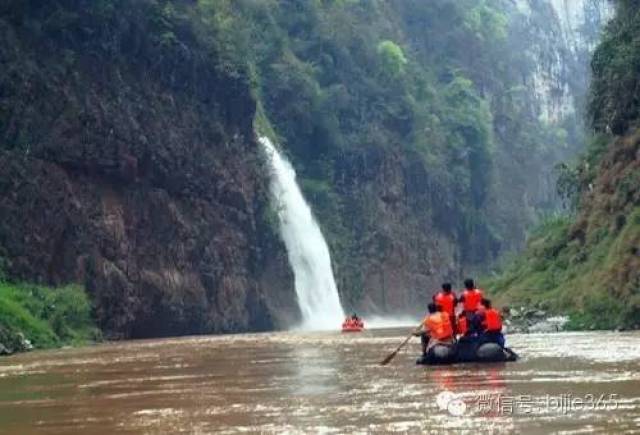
(383, 322)
(306, 247)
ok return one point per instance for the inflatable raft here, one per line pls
(352, 326)
(467, 351)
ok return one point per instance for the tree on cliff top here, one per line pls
(392, 58)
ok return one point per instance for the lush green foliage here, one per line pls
(565, 275)
(392, 58)
(438, 83)
(410, 77)
(616, 72)
(48, 42)
(574, 179)
(589, 267)
(47, 317)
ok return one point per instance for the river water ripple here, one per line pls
(322, 383)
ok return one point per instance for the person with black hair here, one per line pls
(436, 328)
(446, 298)
(470, 300)
(491, 323)
(471, 296)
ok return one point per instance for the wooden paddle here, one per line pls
(393, 354)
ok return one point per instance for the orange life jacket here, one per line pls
(472, 299)
(447, 301)
(439, 326)
(463, 327)
(492, 320)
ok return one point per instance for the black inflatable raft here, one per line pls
(467, 351)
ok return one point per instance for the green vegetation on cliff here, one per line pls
(46, 317)
(592, 280)
(588, 264)
(405, 120)
(129, 167)
(615, 95)
(129, 163)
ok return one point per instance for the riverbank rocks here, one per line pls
(12, 342)
(25, 343)
(531, 320)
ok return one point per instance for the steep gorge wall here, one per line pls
(587, 263)
(432, 173)
(564, 35)
(129, 165)
(128, 144)
(539, 114)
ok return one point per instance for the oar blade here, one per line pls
(392, 355)
(389, 357)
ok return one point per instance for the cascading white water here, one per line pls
(306, 248)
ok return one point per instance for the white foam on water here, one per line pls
(380, 322)
(306, 247)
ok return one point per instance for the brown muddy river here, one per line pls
(322, 383)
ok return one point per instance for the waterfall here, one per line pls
(306, 247)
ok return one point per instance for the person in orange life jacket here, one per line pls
(436, 328)
(447, 300)
(491, 321)
(471, 296)
(470, 300)
(356, 320)
(352, 321)
(469, 326)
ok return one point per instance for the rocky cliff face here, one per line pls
(430, 170)
(405, 241)
(586, 263)
(561, 36)
(552, 43)
(422, 133)
(132, 169)
(416, 234)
